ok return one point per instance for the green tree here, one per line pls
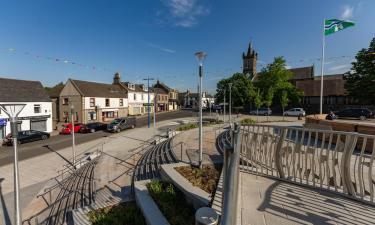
(242, 90)
(258, 101)
(268, 98)
(59, 85)
(275, 76)
(360, 81)
(284, 101)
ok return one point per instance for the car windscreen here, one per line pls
(116, 121)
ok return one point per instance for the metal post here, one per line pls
(200, 116)
(17, 209)
(224, 106)
(148, 101)
(155, 95)
(322, 70)
(73, 138)
(230, 104)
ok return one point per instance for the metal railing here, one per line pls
(231, 176)
(340, 162)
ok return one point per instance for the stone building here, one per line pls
(92, 102)
(172, 95)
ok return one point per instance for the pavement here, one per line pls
(265, 201)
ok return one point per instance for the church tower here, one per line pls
(250, 62)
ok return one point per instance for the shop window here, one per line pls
(92, 115)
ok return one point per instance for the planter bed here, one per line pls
(171, 202)
(126, 213)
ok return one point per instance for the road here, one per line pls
(55, 143)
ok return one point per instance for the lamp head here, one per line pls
(12, 110)
(200, 56)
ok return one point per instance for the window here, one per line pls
(37, 109)
(65, 101)
(121, 102)
(92, 115)
(92, 102)
(107, 102)
(142, 97)
(135, 96)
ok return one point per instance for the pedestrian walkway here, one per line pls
(265, 201)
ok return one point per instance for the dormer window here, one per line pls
(131, 86)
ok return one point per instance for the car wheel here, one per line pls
(118, 130)
(92, 130)
(19, 142)
(133, 126)
(362, 118)
(44, 137)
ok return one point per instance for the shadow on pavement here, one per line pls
(3, 206)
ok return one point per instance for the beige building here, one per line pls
(92, 102)
(168, 99)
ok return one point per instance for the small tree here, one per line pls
(268, 99)
(284, 101)
(257, 101)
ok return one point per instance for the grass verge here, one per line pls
(126, 213)
(171, 203)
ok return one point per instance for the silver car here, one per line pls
(295, 112)
(261, 111)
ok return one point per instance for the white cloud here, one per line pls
(339, 68)
(184, 13)
(288, 67)
(161, 48)
(347, 12)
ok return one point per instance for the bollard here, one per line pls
(206, 216)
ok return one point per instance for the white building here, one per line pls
(138, 98)
(37, 113)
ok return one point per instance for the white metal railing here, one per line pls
(341, 162)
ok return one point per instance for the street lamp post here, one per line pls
(230, 103)
(200, 56)
(13, 110)
(224, 106)
(155, 99)
(73, 137)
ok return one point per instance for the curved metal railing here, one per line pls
(342, 162)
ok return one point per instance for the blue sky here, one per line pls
(158, 38)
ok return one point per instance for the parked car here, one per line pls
(261, 111)
(295, 112)
(92, 127)
(120, 124)
(27, 136)
(67, 128)
(355, 113)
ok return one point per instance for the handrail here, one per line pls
(231, 174)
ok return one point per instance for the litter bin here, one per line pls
(206, 216)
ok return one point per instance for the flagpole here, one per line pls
(322, 70)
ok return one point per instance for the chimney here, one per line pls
(116, 78)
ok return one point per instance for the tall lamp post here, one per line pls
(13, 110)
(73, 137)
(230, 103)
(224, 106)
(148, 100)
(200, 56)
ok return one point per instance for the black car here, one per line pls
(120, 124)
(27, 136)
(356, 113)
(92, 127)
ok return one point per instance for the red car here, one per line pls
(67, 128)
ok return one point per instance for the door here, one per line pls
(38, 125)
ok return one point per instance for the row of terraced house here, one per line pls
(101, 102)
(89, 102)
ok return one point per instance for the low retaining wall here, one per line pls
(338, 125)
(194, 195)
(150, 210)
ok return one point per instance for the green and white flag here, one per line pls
(334, 25)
